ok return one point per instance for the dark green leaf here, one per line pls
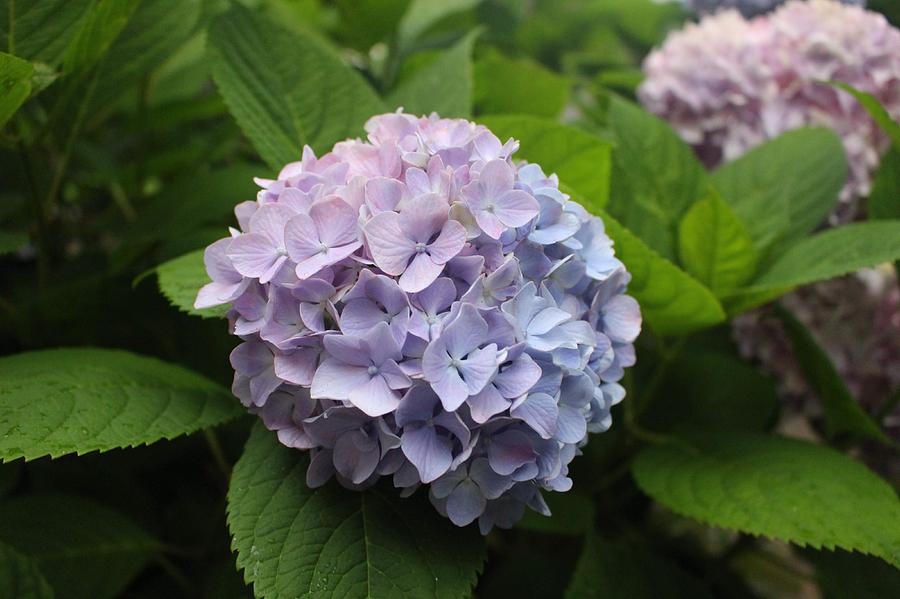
(843, 413)
(20, 577)
(608, 569)
(518, 86)
(884, 201)
(672, 302)
(293, 541)
(84, 549)
(783, 189)
(581, 160)
(77, 400)
(833, 253)
(286, 88)
(10, 242)
(715, 247)
(181, 278)
(100, 26)
(423, 14)
(777, 487)
(15, 85)
(40, 30)
(444, 86)
(706, 390)
(656, 179)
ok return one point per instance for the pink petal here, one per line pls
(336, 222)
(420, 273)
(383, 194)
(301, 239)
(449, 243)
(516, 208)
(423, 216)
(252, 254)
(270, 221)
(489, 223)
(390, 247)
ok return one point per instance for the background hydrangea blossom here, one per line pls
(748, 8)
(727, 84)
(420, 306)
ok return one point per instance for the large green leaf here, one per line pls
(672, 302)
(293, 541)
(572, 514)
(15, 85)
(884, 201)
(286, 88)
(843, 413)
(20, 577)
(423, 14)
(155, 30)
(833, 253)
(85, 550)
(181, 278)
(10, 242)
(714, 245)
(100, 26)
(611, 569)
(518, 86)
(76, 400)
(784, 188)
(777, 487)
(40, 30)
(656, 179)
(711, 390)
(444, 86)
(581, 160)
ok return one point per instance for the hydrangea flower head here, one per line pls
(748, 8)
(728, 84)
(419, 305)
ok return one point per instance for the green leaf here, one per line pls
(833, 253)
(608, 569)
(40, 31)
(286, 88)
(444, 86)
(875, 110)
(672, 302)
(100, 26)
(20, 577)
(293, 541)
(10, 242)
(15, 85)
(85, 550)
(843, 414)
(423, 14)
(714, 391)
(715, 247)
(581, 160)
(60, 401)
(181, 278)
(783, 189)
(884, 201)
(155, 30)
(518, 86)
(777, 487)
(656, 179)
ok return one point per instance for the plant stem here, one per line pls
(215, 448)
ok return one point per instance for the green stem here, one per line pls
(218, 454)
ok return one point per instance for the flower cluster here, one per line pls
(748, 8)
(728, 84)
(420, 306)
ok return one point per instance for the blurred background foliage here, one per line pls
(123, 156)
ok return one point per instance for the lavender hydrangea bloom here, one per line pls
(727, 84)
(748, 8)
(420, 306)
